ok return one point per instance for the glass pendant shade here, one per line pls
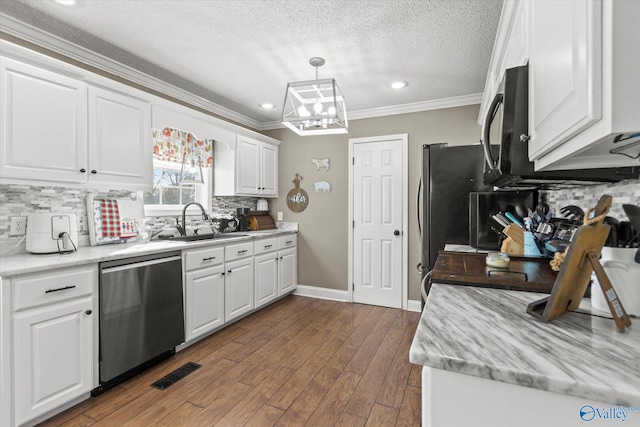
(314, 107)
(191, 171)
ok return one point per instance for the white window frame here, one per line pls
(203, 196)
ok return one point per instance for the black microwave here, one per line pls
(508, 121)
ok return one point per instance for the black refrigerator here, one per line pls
(449, 174)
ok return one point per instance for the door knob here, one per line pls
(396, 232)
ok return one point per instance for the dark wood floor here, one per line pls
(300, 361)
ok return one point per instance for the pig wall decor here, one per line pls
(322, 186)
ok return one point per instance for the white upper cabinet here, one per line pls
(584, 84)
(119, 139)
(256, 168)
(250, 168)
(57, 128)
(565, 81)
(43, 118)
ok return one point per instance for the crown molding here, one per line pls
(416, 107)
(46, 40)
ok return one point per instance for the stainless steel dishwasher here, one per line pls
(141, 314)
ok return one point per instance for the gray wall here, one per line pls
(323, 227)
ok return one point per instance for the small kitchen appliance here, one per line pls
(242, 215)
(507, 125)
(262, 205)
(49, 233)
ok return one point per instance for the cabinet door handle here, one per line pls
(59, 289)
(209, 258)
(267, 246)
(280, 257)
(222, 274)
(88, 312)
(83, 170)
(228, 271)
(93, 171)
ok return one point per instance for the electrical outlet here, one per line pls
(279, 216)
(18, 226)
(82, 222)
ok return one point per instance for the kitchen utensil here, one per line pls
(612, 240)
(513, 219)
(573, 212)
(633, 213)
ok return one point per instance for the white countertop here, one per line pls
(30, 263)
(487, 333)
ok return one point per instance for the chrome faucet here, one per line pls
(182, 229)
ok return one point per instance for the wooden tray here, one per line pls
(465, 268)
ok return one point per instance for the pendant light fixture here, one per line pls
(191, 171)
(314, 107)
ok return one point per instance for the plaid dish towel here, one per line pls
(110, 218)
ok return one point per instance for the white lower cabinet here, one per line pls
(287, 270)
(53, 340)
(204, 291)
(265, 266)
(238, 288)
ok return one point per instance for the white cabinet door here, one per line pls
(204, 301)
(44, 124)
(565, 81)
(53, 356)
(266, 278)
(119, 139)
(247, 166)
(287, 270)
(238, 292)
(269, 175)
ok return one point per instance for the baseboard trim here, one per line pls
(414, 305)
(322, 293)
(341, 296)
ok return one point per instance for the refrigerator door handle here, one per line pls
(418, 194)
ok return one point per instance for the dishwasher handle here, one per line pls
(140, 264)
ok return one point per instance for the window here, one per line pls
(168, 196)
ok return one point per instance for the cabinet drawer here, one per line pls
(54, 286)
(238, 251)
(265, 245)
(288, 241)
(203, 258)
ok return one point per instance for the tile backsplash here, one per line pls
(623, 192)
(21, 200)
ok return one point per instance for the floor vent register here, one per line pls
(175, 376)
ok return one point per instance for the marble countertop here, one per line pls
(30, 263)
(487, 333)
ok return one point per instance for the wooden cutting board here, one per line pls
(465, 268)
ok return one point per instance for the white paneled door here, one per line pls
(378, 222)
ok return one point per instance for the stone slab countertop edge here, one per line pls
(30, 263)
(487, 333)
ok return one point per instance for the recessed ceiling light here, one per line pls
(399, 84)
(267, 106)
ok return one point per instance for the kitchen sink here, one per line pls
(197, 237)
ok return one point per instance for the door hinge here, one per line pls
(353, 224)
(353, 287)
(353, 160)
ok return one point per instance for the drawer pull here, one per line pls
(267, 246)
(209, 258)
(244, 251)
(59, 289)
(288, 242)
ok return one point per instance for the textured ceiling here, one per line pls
(240, 53)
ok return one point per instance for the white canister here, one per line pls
(262, 205)
(623, 273)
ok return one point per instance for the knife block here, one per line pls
(514, 243)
